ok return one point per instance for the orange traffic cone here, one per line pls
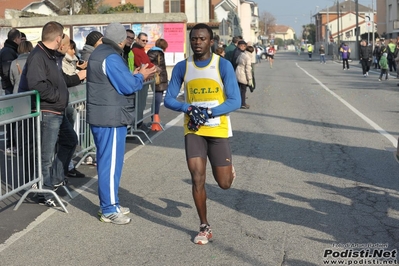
(156, 123)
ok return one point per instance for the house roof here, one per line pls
(215, 2)
(55, 5)
(346, 6)
(13, 4)
(113, 3)
(281, 29)
(210, 24)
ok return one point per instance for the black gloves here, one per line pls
(197, 118)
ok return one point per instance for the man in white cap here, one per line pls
(110, 108)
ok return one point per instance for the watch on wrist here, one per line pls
(209, 112)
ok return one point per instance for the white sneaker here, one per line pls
(367, 73)
(10, 151)
(204, 235)
(115, 218)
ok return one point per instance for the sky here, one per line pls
(295, 13)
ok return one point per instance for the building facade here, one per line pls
(337, 23)
(388, 23)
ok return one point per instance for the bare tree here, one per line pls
(267, 23)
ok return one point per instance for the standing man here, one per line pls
(236, 53)
(376, 55)
(110, 108)
(41, 73)
(127, 50)
(366, 55)
(230, 49)
(310, 51)
(205, 140)
(7, 55)
(391, 55)
(322, 52)
(140, 58)
(345, 54)
(93, 39)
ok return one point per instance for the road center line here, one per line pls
(379, 129)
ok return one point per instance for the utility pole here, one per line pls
(372, 24)
(357, 27)
(339, 41)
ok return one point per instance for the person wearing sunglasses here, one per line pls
(127, 50)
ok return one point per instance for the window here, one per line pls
(174, 6)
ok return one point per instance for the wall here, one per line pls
(197, 11)
(37, 23)
(246, 19)
(382, 16)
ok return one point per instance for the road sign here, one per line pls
(369, 19)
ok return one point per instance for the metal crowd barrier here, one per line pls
(86, 146)
(140, 103)
(20, 167)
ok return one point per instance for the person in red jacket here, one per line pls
(141, 58)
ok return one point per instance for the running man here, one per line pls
(206, 124)
(271, 51)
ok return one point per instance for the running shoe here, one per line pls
(48, 202)
(123, 210)
(204, 235)
(115, 218)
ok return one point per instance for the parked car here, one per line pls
(261, 51)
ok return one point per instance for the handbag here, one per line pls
(157, 77)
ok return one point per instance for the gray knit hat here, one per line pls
(115, 32)
(93, 37)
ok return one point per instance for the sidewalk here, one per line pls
(156, 187)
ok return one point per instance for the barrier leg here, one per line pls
(32, 190)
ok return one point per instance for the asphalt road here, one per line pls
(317, 181)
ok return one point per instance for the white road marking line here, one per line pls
(353, 109)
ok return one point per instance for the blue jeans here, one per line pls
(158, 100)
(9, 127)
(56, 129)
(322, 58)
